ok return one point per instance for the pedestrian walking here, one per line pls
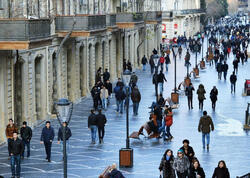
(205, 126)
(188, 150)
(219, 69)
(213, 96)
(98, 76)
(108, 86)
(15, 150)
(68, 134)
(106, 76)
(233, 79)
(187, 58)
(120, 97)
(92, 125)
(189, 93)
(104, 94)
(133, 80)
(95, 96)
(160, 79)
(221, 171)
(166, 165)
(225, 69)
(152, 64)
(26, 135)
(167, 61)
(235, 64)
(47, 138)
(136, 98)
(201, 95)
(100, 122)
(181, 164)
(144, 62)
(180, 51)
(129, 66)
(162, 61)
(10, 129)
(196, 170)
(169, 123)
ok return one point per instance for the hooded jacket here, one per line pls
(206, 124)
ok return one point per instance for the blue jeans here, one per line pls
(15, 160)
(162, 129)
(207, 135)
(152, 69)
(67, 146)
(104, 103)
(161, 87)
(93, 130)
(166, 67)
(119, 106)
(144, 67)
(135, 108)
(28, 148)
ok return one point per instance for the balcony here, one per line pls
(85, 25)
(189, 11)
(17, 34)
(129, 20)
(153, 17)
(111, 22)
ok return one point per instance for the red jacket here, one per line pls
(162, 59)
(169, 119)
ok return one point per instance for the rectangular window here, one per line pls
(1, 4)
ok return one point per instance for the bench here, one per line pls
(105, 173)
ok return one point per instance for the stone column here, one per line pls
(85, 67)
(92, 66)
(77, 72)
(113, 62)
(126, 46)
(66, 7)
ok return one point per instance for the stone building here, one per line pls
(180, 17)
(105, 33)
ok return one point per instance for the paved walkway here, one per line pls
(228, 142)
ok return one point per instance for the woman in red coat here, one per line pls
(169, 122)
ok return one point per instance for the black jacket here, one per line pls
(221, 173)
(109, 87)
(194, 172)
(224, 67)
(16, 146)
(68, 133)
(47, 134)
(106, 76)
(161, 78)
(92, 120)
(101, 120)
(115, 174)
(190, 150)
(26, 133)
(233, 78)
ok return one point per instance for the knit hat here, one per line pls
(180, 150)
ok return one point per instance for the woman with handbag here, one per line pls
(166, 165)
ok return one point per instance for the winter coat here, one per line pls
(161, 78)
(194, 172)
(213, 95)
(201, 93)
(169, 119)
(104, 93)
(224, 67)
(144, 60)
(47, 134)
(68, 133)
(106, 76)
(120, 95)
(133, 79)
(109, 87)
(167, 60)
(26, 133)
(167, 167)
(221, 173)
(16, 146)
(92, 120)
(101, 120)
(206, 124)
(135, 95)
(233, 78)
(219, 67)
(115, 174)
(181, 164)
(190, 150)
(189, 91)
(10, 130)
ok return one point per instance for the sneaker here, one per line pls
(49, 160)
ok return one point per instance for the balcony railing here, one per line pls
(24, 29)
(189, 11)
(83, 22)
(129, 17)
(152, 16)
(111, 20)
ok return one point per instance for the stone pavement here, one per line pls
(228, 142)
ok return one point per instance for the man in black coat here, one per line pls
(26, 135)
(101, 121)
(160, 79)
(15, 149)
(188, 150)
(189, 93)
(225, 69)
(47, 138)
(106, 75)
(233, 79)
(109, 87)
(68, 134)
(92, 125)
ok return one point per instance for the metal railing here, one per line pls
(129, 17)
(110, 20)
(245, 176)
(189, 11)
(153, 15)
(24, 29)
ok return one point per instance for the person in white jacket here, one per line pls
(104, 96)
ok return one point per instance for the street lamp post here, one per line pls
(202, 44)
(64, 112)
(175, 95)
(156, 62)
(126, 154)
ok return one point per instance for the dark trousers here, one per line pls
(190, 102)
(101, 132)
(213, 104)
(9, 139)
(47, 146)
(15, 162)
(182, 175)
(26, 143)
(95, 102)
(225, 75)
(168, 132)
(201, 104)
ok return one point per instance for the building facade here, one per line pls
(180, 17)
(100, 34)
